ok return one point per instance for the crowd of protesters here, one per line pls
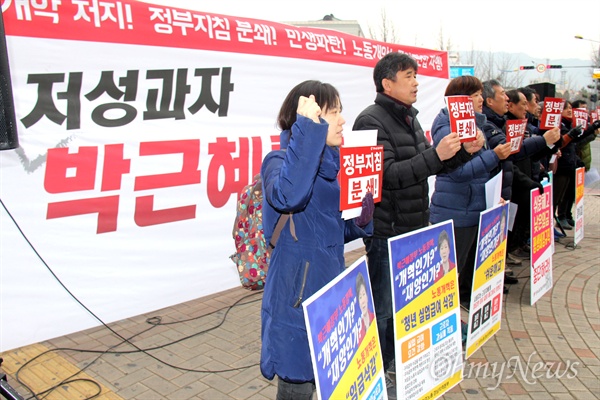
(461, 171)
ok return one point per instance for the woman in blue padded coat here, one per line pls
(460, 194)
(302, 179)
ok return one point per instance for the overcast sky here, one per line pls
(540, 28)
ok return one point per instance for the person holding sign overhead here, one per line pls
(460, 194)
(301, 179)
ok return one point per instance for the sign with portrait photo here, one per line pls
(427, 326)
(342, 335)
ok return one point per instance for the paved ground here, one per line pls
(208, 348)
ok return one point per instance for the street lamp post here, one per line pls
(597, 82)
(589, 40)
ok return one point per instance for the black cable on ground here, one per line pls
(154, 321)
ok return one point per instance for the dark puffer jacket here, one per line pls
(302, 180)
(495, 135)
(460, 194)
(408, 161)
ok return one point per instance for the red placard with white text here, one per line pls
(580, 117)
(462, 117)
(361, 171)
(551, 112)
(515, 131)
(593, 115)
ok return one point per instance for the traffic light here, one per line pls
(526, 67)
(553, 66)
(594, 98)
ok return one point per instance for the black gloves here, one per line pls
(366, 215)
(575, 133)
(539, 186)
(592, 128)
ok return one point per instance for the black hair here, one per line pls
(443, 236)
(325, 94)
(513, 96)
(388, 67)
(528, 92)
(360, 281)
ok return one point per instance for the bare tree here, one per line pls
(443, 44)
(511, 78)
(385, 32)
(484, 65)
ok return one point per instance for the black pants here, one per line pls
(565, 207)
(520, 232)
(294, 391)
(560, 186)
(466, 245)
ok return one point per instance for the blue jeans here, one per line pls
(378, 261)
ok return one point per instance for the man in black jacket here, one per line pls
(408, 161)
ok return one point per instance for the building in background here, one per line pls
(351, 27)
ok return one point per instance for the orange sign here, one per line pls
(416, 345)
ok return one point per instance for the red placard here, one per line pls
(551, 112)
(361, 171)
(515, 131)
(594, 115)
(462, 117)
(580, 117)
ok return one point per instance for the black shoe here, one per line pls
(571, 221)
(565, 225)
(558, 234)
(505, 290)
(510, 280)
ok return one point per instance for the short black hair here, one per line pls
(389, 65)
(528, 92)
(443, 237)
(360, 281)
(513, 96)
(325, 94)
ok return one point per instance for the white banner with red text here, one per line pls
(138, 125)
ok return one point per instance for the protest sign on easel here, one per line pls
(542, 241)
(579, 185)
(427, 332)
(342, 335)
(488, 279)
